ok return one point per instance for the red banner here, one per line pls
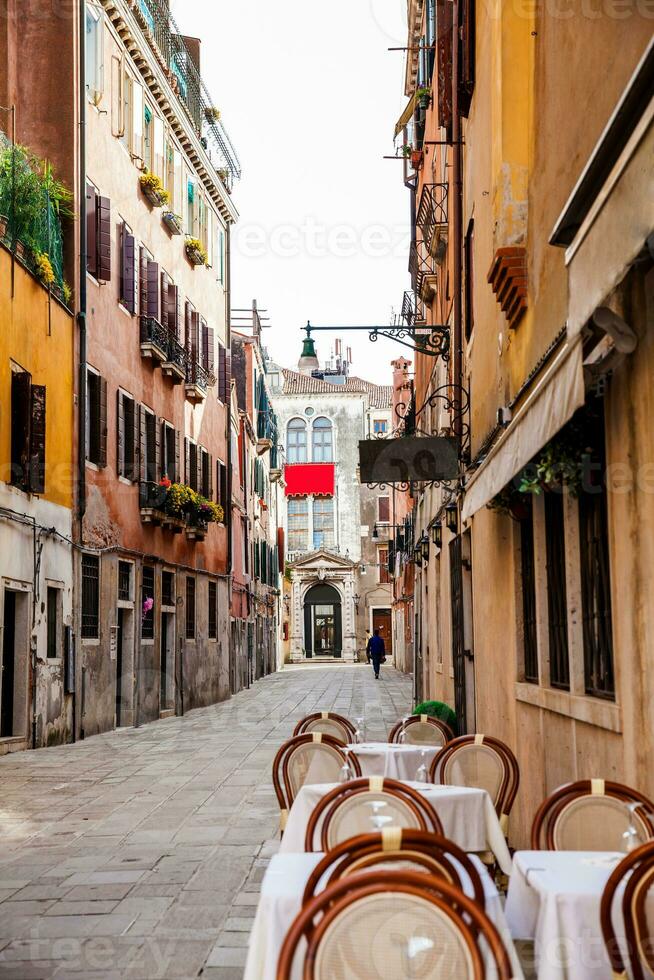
(304, 479)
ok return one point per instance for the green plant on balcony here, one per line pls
(407, 150)
(212, 114)
(153, 188)
(185, 503)
(423, 96)
(195, 251)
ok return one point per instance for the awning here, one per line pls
(548, 407)
(406, 116)
(304, 479)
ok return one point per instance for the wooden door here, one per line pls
(381, 620)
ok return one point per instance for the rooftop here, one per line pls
(303, 384)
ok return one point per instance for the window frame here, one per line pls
(322, 440)
(297, 451)
(54, 630)
(148, 620)
(90, 631)
(319, 521)
(295, 533)
(212, 610)
(190, 608)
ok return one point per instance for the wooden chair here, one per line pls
(589, 815)
(417, 849)
(329, 723)
(381, 923)
(483, 761)
(637, 870)
(346, 811)
(422, 730)
(293, 760)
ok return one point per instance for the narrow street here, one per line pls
(139, 853)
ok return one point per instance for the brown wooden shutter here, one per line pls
(444, 63)
(143, 282)
(153, 290)
(91, 230)
(129, 271)
(221, 373)
(173, 309)
(195, 338)
(102, 420)
(187, 462)
(210, 477)
(199, 453)
(142, 444)
(104, 239)
(120, 435)
(384, 509)
(165, 282)
(177, 477)
(207, 346)
(156, 431)
(467, 67)
(204, 343)
(37, 439)
(134, 459)
(281, 552)
(21, 383)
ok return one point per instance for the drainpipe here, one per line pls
(457, 210)
(228, 448)
(81, 301)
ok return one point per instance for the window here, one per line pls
(94, 58)
(322, 441)
(529, 636)
(27, 433)
(148, 137)
(98, 235)
(213, 611)
(298, 523)
(296, 441)
(468, 299)
(191, 465)
(323, 522)
(149, 446)
(158, 147)
(467, 55)
(125, 580)
(309, 411)
(147, 603)
(127, 436)
(90, 597)
(383, 510)
(54, 623)
(169, 452)
(382, 561)
(221, 255)
(221, 480)
(596, 580)
(167, 588)
(207, 346)
(206, 474)
(96, 418)
(190, 608)
(379, 427)
(191, 207)
(557, 602)
(169, 305)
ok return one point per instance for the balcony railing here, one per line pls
(155, 338)
(175, 364)
(198, 380)
(413, 310)
(431, 217)
(421, 265)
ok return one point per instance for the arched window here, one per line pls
(296, 441)
(322, 441)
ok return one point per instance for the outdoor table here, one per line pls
(281, 900)
(467, 815)
(394, 760)
(554, 898)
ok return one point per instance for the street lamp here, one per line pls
(437, 534)
(424, 547)
(375, 533)
(357, 600)
(417, 555)
(452, 517)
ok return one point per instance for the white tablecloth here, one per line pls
(393, 760)
(280, 902)
(554, 898)
(467, 816)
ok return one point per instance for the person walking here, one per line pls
(376, 652)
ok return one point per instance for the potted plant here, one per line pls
(195, 252)
(67, 293)
(437, 709)
(416, 159)
(212, 114)
(43, 268)
(153, 189)
(407, 151)
(173, 222)
(423, 96)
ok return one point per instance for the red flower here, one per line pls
(165, 482)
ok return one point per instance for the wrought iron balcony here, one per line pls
(431, 218)
(413, 310)
(422, 269)
(198, 380)
(175, 364)
(155, 339)
(152, 502)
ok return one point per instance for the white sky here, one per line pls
(310, 95)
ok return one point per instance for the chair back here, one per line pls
(385, 923)
(482, 761)
(348, 810)
(637, 870)
(590, 815)
(329, 723)
(314, 755)
(421, 730)
(397, 849)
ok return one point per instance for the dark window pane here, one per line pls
(190, 608)
(125, 580)
(530, 643)
(213, 611)
(168, 588)
(557, 603)
(90, 597)
(53, 623)
(147, 603)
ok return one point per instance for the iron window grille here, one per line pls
(147, 592)
(557, 602)
(53, 626)
(529, 636)
(90, 597)
(167, 588)
(213, 611)
(124, 581)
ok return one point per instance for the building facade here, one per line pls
(536, 269)
(337, 569)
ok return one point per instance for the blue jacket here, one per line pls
(376, 647)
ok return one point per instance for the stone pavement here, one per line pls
(140, 853)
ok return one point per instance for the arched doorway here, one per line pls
(323, 633)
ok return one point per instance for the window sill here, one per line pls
(125, 603)
(147, 643)
(92, 466)
(591, 711)
(89, 641)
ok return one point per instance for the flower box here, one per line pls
(153, 189)
(196, 532)
(195, 253)
(173, 222)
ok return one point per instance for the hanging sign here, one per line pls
(410, 459)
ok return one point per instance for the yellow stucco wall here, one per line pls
(42, 345)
